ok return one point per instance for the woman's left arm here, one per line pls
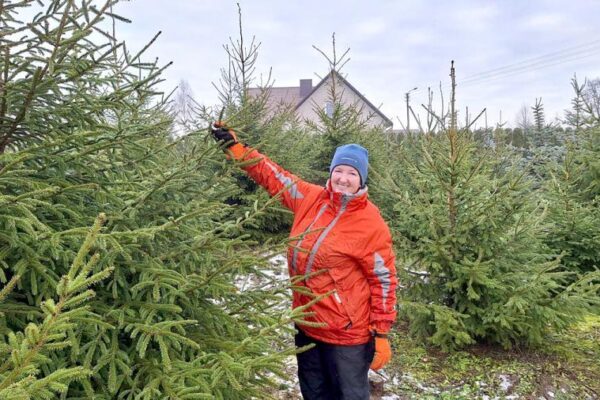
(380, 270)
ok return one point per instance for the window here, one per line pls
(329, 109)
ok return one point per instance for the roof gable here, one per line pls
(345, 82)
(277, 97)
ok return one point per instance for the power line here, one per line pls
(565, 55)
(547, 60)
(532, 66)
(509, 73)
(538, 59)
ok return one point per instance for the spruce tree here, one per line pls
(469, 234)
(573, 191)
(574, 217)
(339, 122)
(245, 107)
(575, 116)
(85, 132)
(589, 159)
(547, 145)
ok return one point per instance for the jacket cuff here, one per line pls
(237, 151)
(381, 326)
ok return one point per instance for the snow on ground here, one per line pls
(505, 382)
(275, 274)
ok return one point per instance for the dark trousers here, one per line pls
(334, 372)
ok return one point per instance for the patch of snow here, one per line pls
(275, 274)
(506, 383)
(379, 375)
(279, 260)
(415, 382)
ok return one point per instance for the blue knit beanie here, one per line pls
(355, 156)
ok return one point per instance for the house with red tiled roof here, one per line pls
(306, 101)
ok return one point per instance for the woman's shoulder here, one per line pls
(371, 219)
(372, 211)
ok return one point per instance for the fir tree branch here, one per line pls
(44, 336)
(9, 287)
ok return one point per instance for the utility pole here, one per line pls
(407, 96)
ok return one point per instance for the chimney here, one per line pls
(305, 87)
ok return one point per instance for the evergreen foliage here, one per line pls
(538, 115)
(575, 116)
(145, 305)
(26, 351)
(272, 131)
(470, 244)
(84, 133)
(547, 145)
(585, 106)
(575, 229)
(589, 159)
(573, 192)
(338, 123)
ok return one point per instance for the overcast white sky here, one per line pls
(532, 48)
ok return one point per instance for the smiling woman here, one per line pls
(341, 255)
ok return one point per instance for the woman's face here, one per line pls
(345, 179)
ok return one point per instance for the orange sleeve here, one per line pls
(380, 270)
(277, 181)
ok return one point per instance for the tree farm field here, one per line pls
(566, 366)
(135, 253)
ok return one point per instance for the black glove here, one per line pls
(222, 134)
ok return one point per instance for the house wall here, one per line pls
(348, 97)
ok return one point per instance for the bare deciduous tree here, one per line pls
(183, 107)
(591, 96)
(524, 119)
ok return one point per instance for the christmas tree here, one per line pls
(84, 132)
(469, 231)
(573, 190)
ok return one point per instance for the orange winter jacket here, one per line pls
(341, 244)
